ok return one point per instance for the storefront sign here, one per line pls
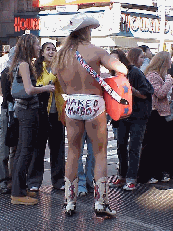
(143, 27)
(22, 24)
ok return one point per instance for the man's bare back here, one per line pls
(76, 78)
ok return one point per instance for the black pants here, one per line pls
(156, 156)
(52, 130)
(26, 148)
(129, 150)
(4, 150)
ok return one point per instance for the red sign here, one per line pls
(26, 24)
(35, 3)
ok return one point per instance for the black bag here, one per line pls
(12, 135)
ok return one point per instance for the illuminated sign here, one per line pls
(35, 3)
(67, 2)
(25, 24)
(144, 27)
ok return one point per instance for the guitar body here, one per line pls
(121, 85)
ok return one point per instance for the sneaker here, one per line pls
(118, 183)
(34, 189)
(82, 191)
(62, 187)
(4, 188)
(81, 194)
(165, 178)
(152, 181)
(129, 186)
(23, 200)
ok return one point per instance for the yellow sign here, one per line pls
(67, 2)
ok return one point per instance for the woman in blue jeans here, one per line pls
(26, 110)
(133, 127)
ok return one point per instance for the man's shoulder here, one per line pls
(97, 48)
(92, 52)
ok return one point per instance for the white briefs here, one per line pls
(84, 106)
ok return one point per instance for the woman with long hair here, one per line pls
(131, 130)
(26, 111)
(156, 155)
(85, 108)
(51, 126)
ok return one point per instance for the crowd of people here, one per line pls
(41, 116)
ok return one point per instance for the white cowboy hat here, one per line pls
(80, 21)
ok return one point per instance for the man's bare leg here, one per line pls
(75, 130)
(97, 132)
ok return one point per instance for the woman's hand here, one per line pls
(168, 78)
(49, 88)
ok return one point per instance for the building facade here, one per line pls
(12, 15)
(130, 24)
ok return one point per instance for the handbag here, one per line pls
(17, 88)
(117, 107)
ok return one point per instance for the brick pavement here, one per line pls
(148, 208)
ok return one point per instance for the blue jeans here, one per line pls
(129, 152)
(115, 132)
(27, 145)
(86, 177)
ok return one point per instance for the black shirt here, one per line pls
(141, 108)
(6, 88)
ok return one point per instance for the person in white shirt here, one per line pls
(148, 56)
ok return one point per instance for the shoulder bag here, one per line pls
(17, 88)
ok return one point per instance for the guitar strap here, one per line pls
(100, 80)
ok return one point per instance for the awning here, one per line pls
(125, 42)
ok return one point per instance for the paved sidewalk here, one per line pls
(149, 207)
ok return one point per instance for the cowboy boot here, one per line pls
(101, 197)
(71, 190)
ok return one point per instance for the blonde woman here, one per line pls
(156, 154)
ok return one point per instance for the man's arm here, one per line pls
(112, 64)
